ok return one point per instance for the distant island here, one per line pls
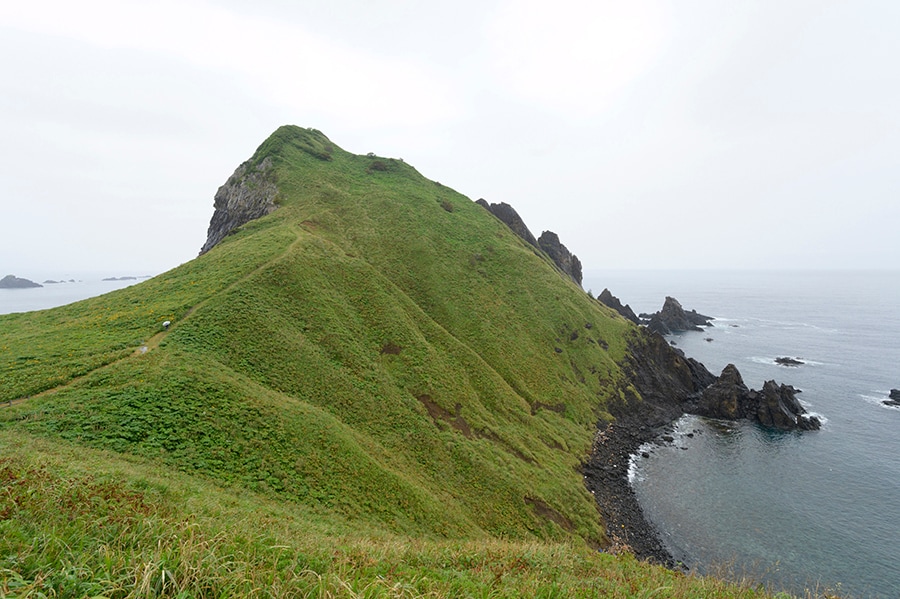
(14, 282)
(120, 279)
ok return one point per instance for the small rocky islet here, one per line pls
(14, 282)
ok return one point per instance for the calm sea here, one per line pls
(76, 287)
(797, 510)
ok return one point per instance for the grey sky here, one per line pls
(647, 134)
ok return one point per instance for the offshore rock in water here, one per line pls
(785, 361)
(673, 318)
(14, 282)
(894, 400)
(775, 406)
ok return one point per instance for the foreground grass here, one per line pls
(85, 523)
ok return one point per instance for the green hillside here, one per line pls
(375, 390)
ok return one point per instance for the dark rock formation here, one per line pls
(508, 215)
(247, 195)
(894, 400)
(548, 242)
(664, 377)
(561, 256)
(775, 406)
(725, 397)
(788, 361)
(608, 299)
(895, 394)
(14, 282)
(673, 318)
(668, 384)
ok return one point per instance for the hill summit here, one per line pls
(366, 352)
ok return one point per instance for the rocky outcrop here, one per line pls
(549, 242)
(508, 215)
(673, 318)
(775, 406)
(895, 394)
(665, 378)
(608, 299)
(14, 282)
(247, 195)
(894, 399)
(662, 385)
(561, 256)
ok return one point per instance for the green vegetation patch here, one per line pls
(377, 389)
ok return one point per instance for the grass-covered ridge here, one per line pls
(379, 362)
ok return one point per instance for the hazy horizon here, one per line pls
(647, 135)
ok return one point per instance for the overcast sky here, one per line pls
(647, 134)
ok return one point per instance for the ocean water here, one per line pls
(77, 287)
(811, 510)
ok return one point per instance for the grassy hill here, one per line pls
(375, 390)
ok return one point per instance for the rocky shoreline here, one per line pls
(669, 385)
(606, 477)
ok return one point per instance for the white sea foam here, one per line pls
(771, 361)
(822, 418)
(634, 469)
(879, 400)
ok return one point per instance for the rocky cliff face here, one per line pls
(609, 300)
(247, 195)
(508, 215)
(564, 259)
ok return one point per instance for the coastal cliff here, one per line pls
(376, 364)
(549, 242)
(248, 194)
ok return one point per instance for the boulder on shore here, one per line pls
(673, 318)
(775, 406)
(14, 282)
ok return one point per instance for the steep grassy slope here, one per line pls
(379, 358)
